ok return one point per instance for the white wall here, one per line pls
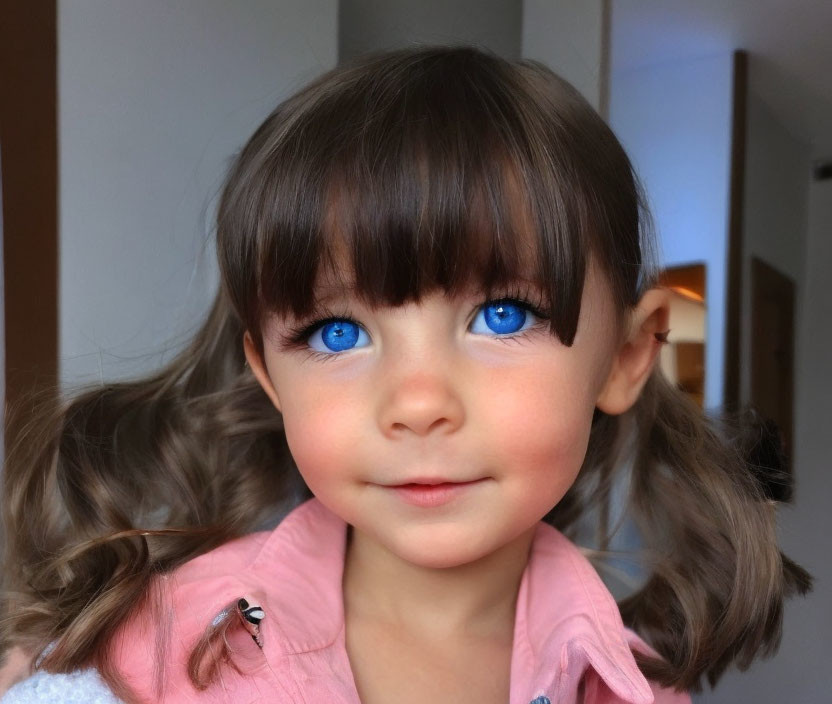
(800, 672)
(807, 648)
(775, 211)
(568, 36)
(154, 98)
(674, 120)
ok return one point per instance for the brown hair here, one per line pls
(412, 160)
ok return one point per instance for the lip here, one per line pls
(429, 480)
(431, 493)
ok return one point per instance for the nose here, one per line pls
(420, 403)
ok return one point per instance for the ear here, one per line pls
(258, 368)
(634, 360)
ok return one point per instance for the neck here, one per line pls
(474, 599)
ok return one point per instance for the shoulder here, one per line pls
(190, 595)
(81, 687)
(227, 559)
(151, 649)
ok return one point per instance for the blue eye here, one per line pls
(327, 337)
(502, 317)
(337, 336)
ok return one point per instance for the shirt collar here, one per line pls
(566, 619)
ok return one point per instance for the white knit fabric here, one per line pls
(78, 687)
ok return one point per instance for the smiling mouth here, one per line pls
(433, 495)
(432, 482)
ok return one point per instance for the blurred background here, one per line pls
(119, 119)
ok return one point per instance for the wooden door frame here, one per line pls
(29, 143)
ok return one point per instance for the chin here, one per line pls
(437, 547)
(439, 561)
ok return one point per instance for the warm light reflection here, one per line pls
(682, 359)
(687, 293)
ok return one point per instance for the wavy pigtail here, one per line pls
(220, 645)
(126, 481)
(718, 579)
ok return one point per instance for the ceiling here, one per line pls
(788, 42)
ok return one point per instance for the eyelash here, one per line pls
(297, 337)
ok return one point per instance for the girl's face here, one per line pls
(450, 390)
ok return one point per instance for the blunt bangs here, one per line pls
(416, 170)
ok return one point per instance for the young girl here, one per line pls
(434, 348)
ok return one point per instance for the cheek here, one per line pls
(320, 429)
(540, 427)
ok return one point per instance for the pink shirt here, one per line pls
(567, 624)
